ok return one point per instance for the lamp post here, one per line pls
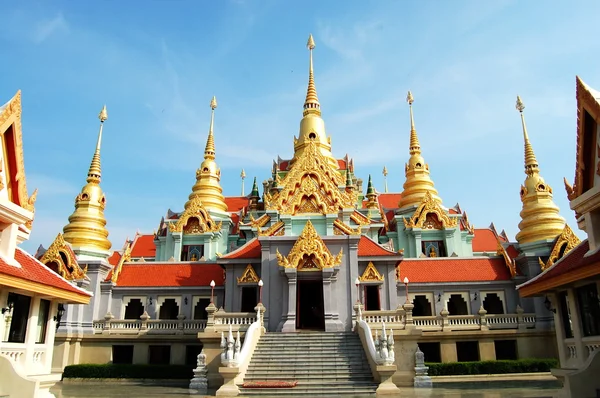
(212, 291)
(406, 287)
(357, 283)
(260, 286)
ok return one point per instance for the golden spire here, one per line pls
(417, 182)
(243, 177)
(86, 231)
(208, 176)
(540, 218)
(385, 173)
(312, 127)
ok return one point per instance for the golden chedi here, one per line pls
(540, 218)
(86, 231)
(207, 187)
(312, 126)
(418, 182)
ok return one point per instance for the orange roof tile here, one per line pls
(236, 203)
(572, 267)
(33, 270)
(484, 240)
(235, 219)
(475, 269)
(389, 200)
(169, 275)
(369, 248)
(250, 250)
(114, 258)
(143, 246)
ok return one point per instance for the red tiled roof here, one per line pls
(389, 200)
(235, 219)
(143, 246)
(34, 271)
(572, 267)
(169, 275)
(452, 211)
(512, 251)
(369, 248)
(475, 269)
(341, 164)
(236, 203)
(114, 258)
(484, 240)
(250, 250)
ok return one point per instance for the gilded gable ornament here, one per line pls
(124, 258)
(509, 262)
(427, 208)
(272, 230)
(249, 275)
(341, 228)
(201, 221)
(309, 247)
(61, 254)
(565, 242)
(371, 274)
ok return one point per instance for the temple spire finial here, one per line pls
(95, 172)
(311, 103)
(209, 152)
(385, 173)
(415, 147)
(243, 177)
(531, 164)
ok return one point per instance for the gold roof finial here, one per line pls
(385, 173)
(540, 218)
(531, 164)
(243, 177)
(418, 181)
(311, 104)
(86, 231)
(208, 176)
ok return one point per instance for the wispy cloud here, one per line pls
(48, 27)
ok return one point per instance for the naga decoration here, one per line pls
(341, 228)
(275, 229)
(309, 253)
(195, 220)
(510, 262)
(371, 274)
(60, 258)
(311, 186)
(565, 242)
(427, 208)
(124, 258)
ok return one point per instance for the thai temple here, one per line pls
(315, 249)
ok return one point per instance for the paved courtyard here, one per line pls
(462, 390)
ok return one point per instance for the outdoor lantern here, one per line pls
(260, 286)
(212, 291)
(548, 305)
(59, 314)
(8, 308)
(357, 283)
(406, 286)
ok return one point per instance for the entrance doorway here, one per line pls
(310, 313)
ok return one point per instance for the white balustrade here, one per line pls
(15, 353)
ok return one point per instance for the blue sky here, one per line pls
(156, 65)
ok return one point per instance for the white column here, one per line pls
(49, 341)
(31, 335)
(576, 322)
(3, 304)
(558, 327)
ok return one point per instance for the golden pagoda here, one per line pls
(540, 218)
(86, 231)
(312, 126)
(417, 182)
(207, 187)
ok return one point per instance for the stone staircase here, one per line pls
(322, 364)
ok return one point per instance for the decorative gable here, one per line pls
(195, 220)
(124, 258)
(61, 259)
(565, 242)
(430, 215)
(311, 186)
(249, 275)
(371, 274)
(309, 252)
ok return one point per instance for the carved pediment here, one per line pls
(60, 258)
(195, 220)
(309, 252)
(249, 275)
(430, 215)
(311, 186)
(565, 242)
(371, 274)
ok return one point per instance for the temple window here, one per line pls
(457, 305)
(20, 315)
(192, 252)
(169, 309)
(159, 355)
(565, 314)
(589, 150)
(249, 298)
(422, 306)
(372, 298)
(467, 351)
(433, 248)
(493, 304)
(200, 308)
(122, 354)
(134, 309)
(42, 321)
(589, 309)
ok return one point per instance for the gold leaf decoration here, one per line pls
(249, 275)
(202, 221)
(371, 274)
(428, 207)
(61, 254)
(565, 242)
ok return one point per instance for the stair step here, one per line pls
(304, 378)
